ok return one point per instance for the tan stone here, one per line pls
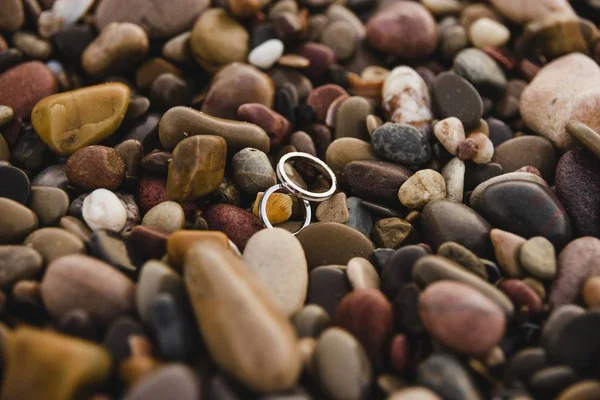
(181, 241)
(389, 233)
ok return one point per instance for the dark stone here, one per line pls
(446, 376)
(454, 96)
(406, 309)
(401, 143)
(479, 173)
(285, 102)
(327, 286)
(524, 364)
(577, 344)
(72, 40)
(545, 384)
(150, 242)
(116, 340)
(112, 248)
(54, 175)
(14, 184)
(375, 180)
(173, 328)
(380, 257)
(261, 33)
(9, 58)
(398, 269)
(499, 131)
(526, 209)
(144, 130)
(360, 217)
(522, 151)
(578, 188)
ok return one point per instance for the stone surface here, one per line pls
(445, 375)
(18, 263)
(277, 259)
(228, 300)
(16, 221)
(102, 209)
(94, 167)
(351, 116)
(310, 321)
(362, 274)
(375, 180)
(252, 171)
(166, 217)
(13, 15)
(180, 242)
(155, 278)
(454, 96)
(486, 32)
(343, 151)
(463, 256)
(334, 209)
(391, 232)
(238, 224)
(538, 257)
(454, 176)
(327, 286)
(461, 317)
(14, 184)
(177, 380)
(481, 70)
(401, 143)
(197, 167)
(52, 243)
(511, 176)
(405, 98)
(69, 121)
(527, 151)
(585, 135)
(421, 188)
(507, 247)
(450, 132)
(527, 10)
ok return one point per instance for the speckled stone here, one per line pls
(401, 143)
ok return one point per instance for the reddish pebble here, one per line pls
(150, 242)
(320, 99)
(521, 294)
(153, 191)
(461, 317)
(95, 167)
(399, 352)
(321, 58)
(238, 224)
(367, 314)
(24, 85)
(276, 125)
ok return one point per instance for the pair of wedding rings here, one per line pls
(287, 184)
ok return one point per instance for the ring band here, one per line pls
(262, 207)
(296, 190)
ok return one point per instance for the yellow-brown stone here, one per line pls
(197, 167)
(181, 241)
(68, 121)
(42, 365)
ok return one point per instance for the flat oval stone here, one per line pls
(362, 274)
(252, 171)
(351, 116)
(576, 262)
(448, 221)
(401, 143)
(68, 121)
(155, 278)
(461, 317)
(238, 224)
(524, 151)
(172, 380)
(463, 256)
(49, 204)
(167, 216)
(398, 270)
(310, 321)
(435, 268)
(375, 180)
(578, 188)
(538, 257)
(157, 22)
(18, 263)
(454, 96)
(14, 184)
(511, 176)
(180, 122)
(94, 167)
(560, 317)
(197, 167)
(227, 300)
(78, 281)
(587, 389)
(277, 259)
(16, 221)
(551, 380)
(576, 345)
(526, 209)
(445, 375)
(174, 327)
(327, 286)
(342, 365)
(343, 151)
(481, 70)
(53, 243)
(343, 244)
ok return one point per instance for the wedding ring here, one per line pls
(296, 190)
(262, 208)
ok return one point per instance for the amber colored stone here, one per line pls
(181, 241)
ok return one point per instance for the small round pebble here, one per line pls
(166, 217)
(538, 257)
(102, 209)
(95, 167)
(424, 186)
(266, 54)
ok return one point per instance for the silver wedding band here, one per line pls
(290, 186)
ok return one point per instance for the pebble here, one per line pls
(537, 256)
(521, 12)
(450, 132)
(454, 176)
(227, 300)
(32, 354)
(155, 278)
(32, 46)
(500, 132)
(511, 176)
(4, 150)
(16, 221)
(446, 89)
(574, 346)
(341, 37)
(149, 71)
(424, 186)
(87, 116)
(527, 151)
(463, 256)
(78, 281)
(334, 209)
(266, 54)
(343, 151)
(180, 242)
(522, 295)
(507, 247)
(445, 375)
(157, 22)
(52, 243)
(113, 249)
(359, 216)
(391, 232)
(238, 224)
(177, 380)
(24, 85)
(344, 243)
(577, 185)
(18, 263)
(177, 49)
(180, 122)
(14, 184)
(401, 143)
(320, 56)
(102, 209)
(477, 147)
(525, 363)
(580, 131)
(218, 40)
(197, 167)
(535, 207)
(415, 392)
(321, 98)
(275, 125)
(310, 321)
(576, 263)
(481, 70)
(168, 90)
(342, 365)
(461, 317)
(486, 32)
(552, 380)
(94, 167)
(406, 99)
(173, 327)
(447, 221)
(560, 317)
(327, 286)
(362, 274)
(430, 269)
(591, 292)
(132, 152)
(403, 30)
(13, 15)
(375, 180)
(252, 171)
(351, 117)
(277, 260)
(586, 389)
(560, 92)
(166, 217)
(76, 227)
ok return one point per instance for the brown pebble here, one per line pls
(320, 99)
(334, 209)
(238, 224)
(95, 167)
(276, 125)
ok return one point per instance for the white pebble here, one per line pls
(102, 209)
(485, 148)
(405, 97)
(450, 132)
(266, 54)
(486, 32)
(442, 7)
(454, 175)
(70, 11)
